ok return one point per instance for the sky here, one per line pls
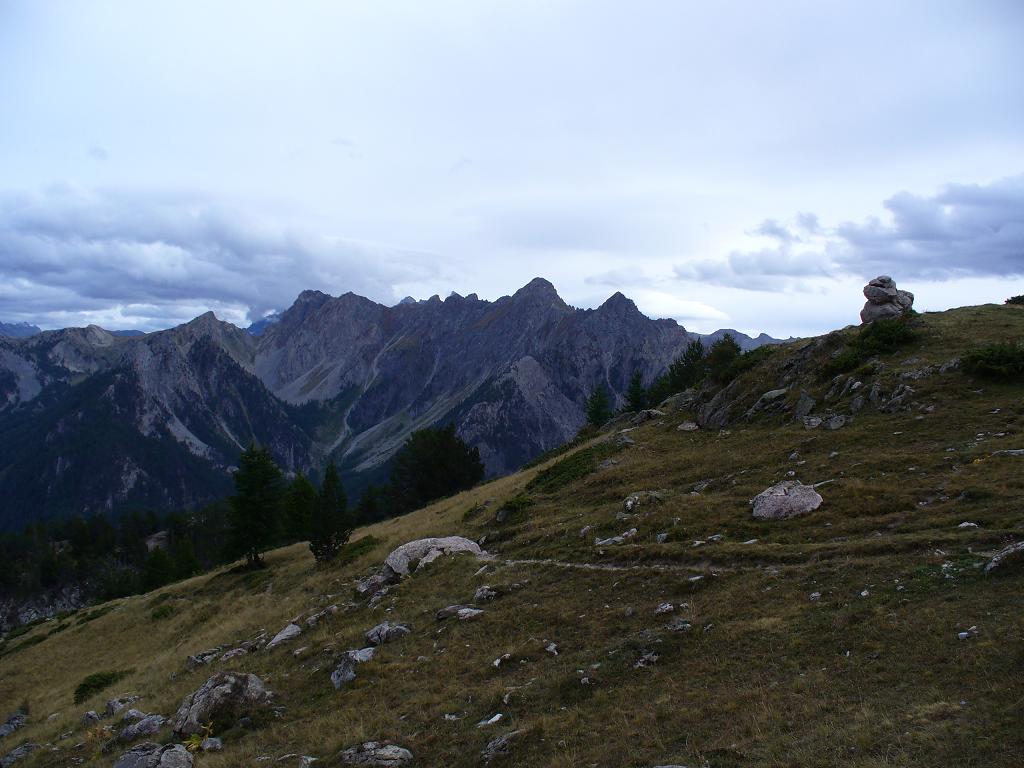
(726, 164)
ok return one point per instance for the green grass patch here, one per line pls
(355, 549)
(572, 468)
(161, 612)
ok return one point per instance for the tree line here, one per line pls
(108, 556)
(718, 364)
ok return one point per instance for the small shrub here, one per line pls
(1019, 300)
(885, 336)
(95, 614)
(845, 361)
(996, 361)
(882, 337)
(97, 681)
(162, 612)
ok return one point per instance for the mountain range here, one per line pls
(96, 422)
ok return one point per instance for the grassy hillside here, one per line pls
(829, 639)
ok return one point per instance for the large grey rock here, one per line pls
(884, 300)
(790, 498)
(152, 755)
(1013, 553)
(149, 725)
(376, 754)
(345, 671)
(385, 633)
(17, 754)
(804, 406)
(411, 555)
(286, 635)
(140, 756)
(224, 699)
(771, 400)
(118, 703)
(13, 723)
(501, 745)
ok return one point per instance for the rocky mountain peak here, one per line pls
(619, 304)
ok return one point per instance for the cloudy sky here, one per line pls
(740, 164)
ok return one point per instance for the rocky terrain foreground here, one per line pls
(805, 570)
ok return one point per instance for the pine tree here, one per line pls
(332, 523)
(369, 509)
(256, 506)
(157, 570)
(636, 395)
(598, 406)
(721, 357)
(432, 464)
(300, 501)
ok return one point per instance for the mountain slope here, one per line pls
(827, 639)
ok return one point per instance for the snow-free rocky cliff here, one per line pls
(92, 421)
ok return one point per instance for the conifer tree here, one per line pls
(599, 408)
(636, 395)
(332, 523)
(256, 506)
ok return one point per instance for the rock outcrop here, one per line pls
(376, 754)
(226, 699)
(13, 723)
(790, 498)
(414, 554)
(152, 755)
(345, 671)
(385, 633)
(884, 300)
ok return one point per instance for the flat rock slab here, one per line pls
(286, 635)
(376, 754)
(410, 555)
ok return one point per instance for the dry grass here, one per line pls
(765, 676)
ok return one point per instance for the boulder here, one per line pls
(224, 699)
(790, 498)
(409, 556)
(639, 499)
(688, 426)
(152, 755)
(1012, 554)
(804, 406)
(13, 723)
(345, 672)
(202, 658)
(90, 718)
(149, 725)
(17, 754)
(376, 754)
(648, 414)
(451, 610)
(771, 400)
(485, 593)
(115, 705)
(502, 745)
(884, 300)
(385, 633)
(286, 635)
